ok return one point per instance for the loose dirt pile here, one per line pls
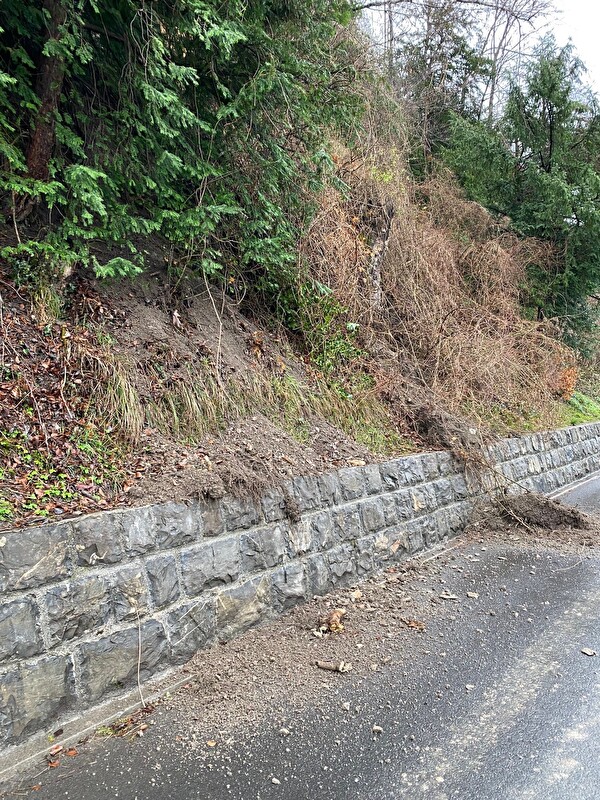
(128, 400)
(232, 685)
(534, 517)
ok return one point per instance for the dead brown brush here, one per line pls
(448, 329)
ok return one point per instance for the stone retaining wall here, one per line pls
(79, 598)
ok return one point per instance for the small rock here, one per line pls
(284, 731)
(377, 729)
(275, 781)
(346, 706)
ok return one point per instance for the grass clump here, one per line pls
(581, 408)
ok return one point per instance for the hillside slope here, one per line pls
(166, 386)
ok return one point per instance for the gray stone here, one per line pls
(423, 499)
(415, 533)
(318, 574)
(372, 479)
(434, 528)
(178, 524)
(373, 516)
(241, 607)
(446, 464)
(457, 517)
(444, 492)
(300, 537)
(390, 545)
(459, 487)
(404, 505)
(262, 548)
(33, 695)
(289, 586)
(212, 518)
(390, 510)
(329, 489)
(274, 505)
(515, 448)
(99, 539)
(111, 664)
(347, 523)
(341, 563)
(406, 471)
(191, 627)
(352, 485)
(210, 564)
(19, 635)
(34, 556)
(76, 607)
(129, 592)
(365, 548)
(164, 583)
(240, 513)
(430, 466)
(306, 493)
(322, 532)
(139, 529)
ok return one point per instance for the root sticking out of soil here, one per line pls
(533, 517)
(542, 512)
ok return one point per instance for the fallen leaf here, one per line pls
(333, 620)
(588, 652)
(473, 595)
(356, 595)
(72, 751)
(211, 743)
(54, 764)
(56, 749)
(36, 788)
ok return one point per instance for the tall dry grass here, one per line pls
(450, 328)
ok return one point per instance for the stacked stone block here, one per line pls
(82, 601)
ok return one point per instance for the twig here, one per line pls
(14, 218)
(220, 337)
(516, 518)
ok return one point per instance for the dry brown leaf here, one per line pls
(333, 620)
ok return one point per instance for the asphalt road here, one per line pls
(585, 495)
(495, 704)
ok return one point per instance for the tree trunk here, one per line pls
(48, 88)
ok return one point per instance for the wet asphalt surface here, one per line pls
(495, 702)
(585, 496)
